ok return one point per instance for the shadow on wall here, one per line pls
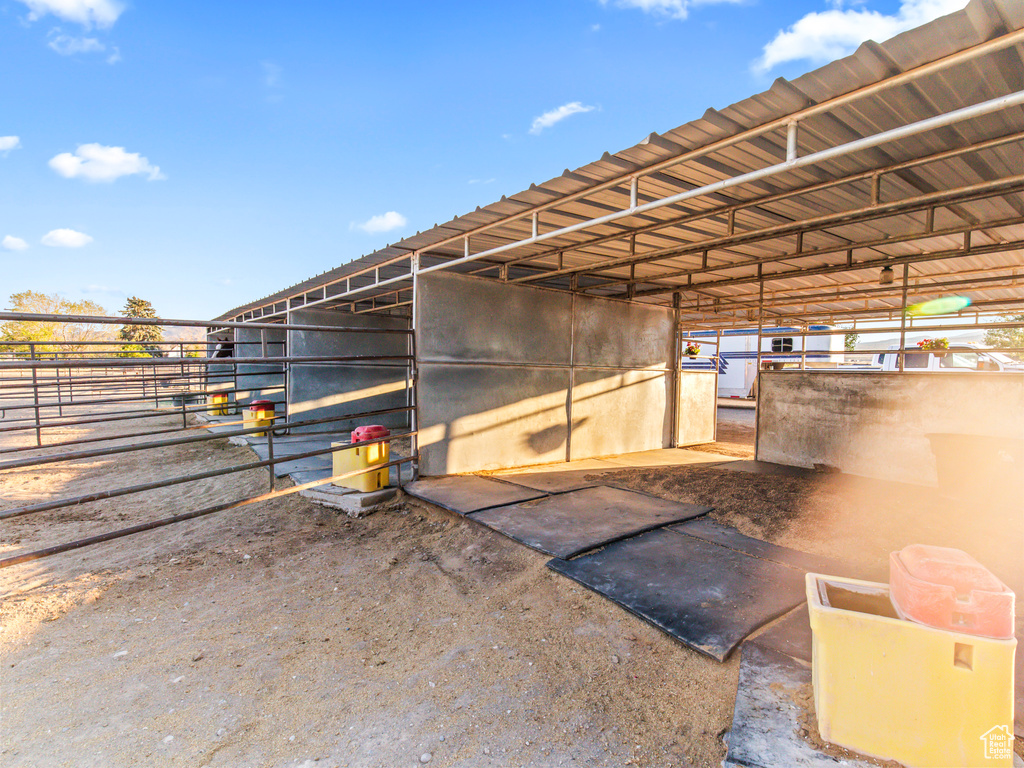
(549, 439)
(534, 430)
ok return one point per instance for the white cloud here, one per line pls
(673, 9)
(832, 34)
(65, 238)
(12, 243)
(382, 223)
(482, 181)
(7, 143)
(95, 162)
(67, 45)
(101, 13)
(557, 115)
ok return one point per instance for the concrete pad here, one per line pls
(468, 493)
(729, 537)
(563, 466)
(352, 503)
(665, 457)
(766, 719)
(571, 523)
(705, 595)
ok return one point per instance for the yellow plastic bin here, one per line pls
(362, 456)
(259, 414)
(898, 690)
(218, 405)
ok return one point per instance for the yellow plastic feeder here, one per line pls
(259, 414)
(899, 690)
(219, 405)
(363, 455)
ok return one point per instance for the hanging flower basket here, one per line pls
(938, 347)
(692, 350)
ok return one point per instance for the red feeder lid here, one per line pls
(262, 405)
(370, 432)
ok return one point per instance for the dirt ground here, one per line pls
(281, 634)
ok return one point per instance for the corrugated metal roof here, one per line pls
(693, 248)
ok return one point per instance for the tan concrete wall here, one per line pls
(515, 375)
(875, 424)
(698, 407)
(319, 391)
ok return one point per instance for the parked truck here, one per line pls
(964, 356)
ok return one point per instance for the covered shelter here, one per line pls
(550, 325)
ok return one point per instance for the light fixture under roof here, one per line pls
(886, 276)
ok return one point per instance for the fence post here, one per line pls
(60, 397)
(270, 454)
(35, 394)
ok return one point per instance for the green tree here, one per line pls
(139, 334)
(50, 335)
(850, 341)
(1008, 337)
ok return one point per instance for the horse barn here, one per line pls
(551, 325)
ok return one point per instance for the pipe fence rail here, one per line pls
(70, 401)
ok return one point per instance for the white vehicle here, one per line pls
(963, 356)
(738, 354)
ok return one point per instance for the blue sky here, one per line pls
(202, 155)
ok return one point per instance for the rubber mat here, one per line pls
(560, 481)
(791, 636)
(705, 595)
(570, 523)
(772, 696)
(468, 493)
(732, 538)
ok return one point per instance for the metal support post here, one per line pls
(903, 316)
(791, 141)
(677, 299)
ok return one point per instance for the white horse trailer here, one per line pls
(737, 354)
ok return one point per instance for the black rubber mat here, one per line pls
(570, 523)
(791, 636)
(469, 493)
(727, 536)
(771, 702)
(559, 481)
(708, 596)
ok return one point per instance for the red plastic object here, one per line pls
(948, 589)
(371, 432)
(261, 405)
